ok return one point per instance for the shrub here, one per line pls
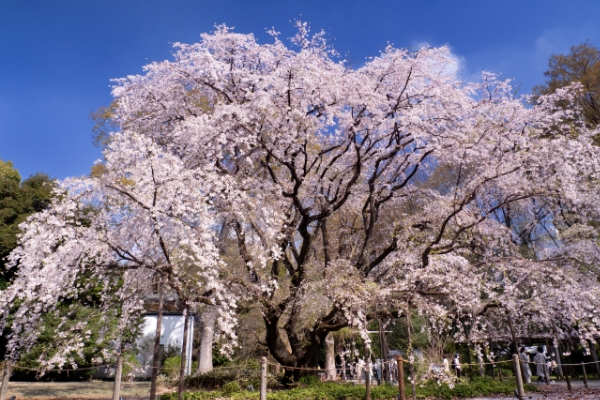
(343, 391)
(171, 367)
(219, 377)
(231, 387)
(479, 386)
(310, 380)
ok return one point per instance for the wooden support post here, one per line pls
(157, 334)
(491, 351)
(512, 334)
(400, 362)
(585, 382)
(518, 377)
(263, 378)
(118, 372)
(368, 378)
(595, 357)
(184, 350)
(559, 359)
(7, 370)
(568, 382)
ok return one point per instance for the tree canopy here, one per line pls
(348, 194)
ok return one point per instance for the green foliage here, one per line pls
(231, 387)
(479, 386)
(171, 366)
(18, 201)
(130, 362)
(310, 380)
(344, 391)
(581, 64)
(217, 378)
(54, 323)
(169, 351)
(219, 359)
(398, 339)
(323, 391)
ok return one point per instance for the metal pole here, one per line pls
(400, 362)
(585, 382)
(5, 379)
(519, 377)
(263, 378)
(118, 372)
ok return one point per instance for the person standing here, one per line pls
(360, 370)
(446, 366)
(541, 367)
(525, 370)
(456, 365)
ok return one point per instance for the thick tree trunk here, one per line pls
(205, 362)
(385, 368)
(118, 373)
(298, 353)
(6, 372)
(594, 356)
(156, 350)
(330, 373)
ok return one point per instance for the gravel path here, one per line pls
(559, 391)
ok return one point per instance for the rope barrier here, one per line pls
(386, 363)
(430, 363)
(390, 362)
(572, 365)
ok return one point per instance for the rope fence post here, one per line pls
(263, 378)
(5, 378)
(585, 382)
(500, 372)
(400, 362)
(519, 377)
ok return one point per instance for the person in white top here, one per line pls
(456, 365)
(360, 369)
(525, 370)
(541, 367)
(446, 365)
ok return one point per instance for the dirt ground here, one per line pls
(556, 392)
(94, 390)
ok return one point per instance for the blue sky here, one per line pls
(57, 57)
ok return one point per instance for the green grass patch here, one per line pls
(480, 386)
(346, 391)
